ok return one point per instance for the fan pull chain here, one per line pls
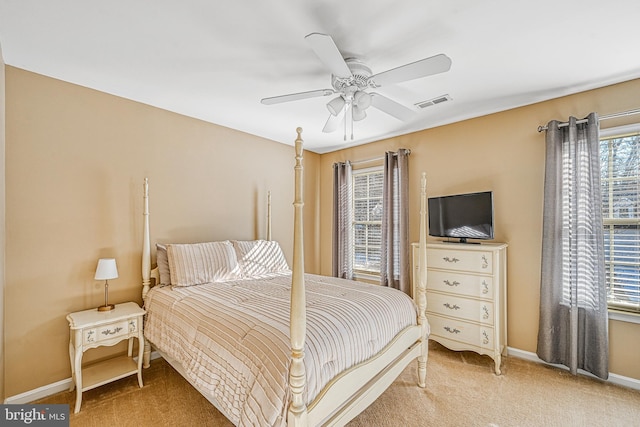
(345, 124)
(351, 116)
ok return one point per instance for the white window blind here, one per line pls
(620, 177)
(367, 220)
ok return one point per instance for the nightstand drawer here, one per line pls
(112, 330)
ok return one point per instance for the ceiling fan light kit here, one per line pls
(358, 113)
(336, 105)
(362, 100)
(350, 78)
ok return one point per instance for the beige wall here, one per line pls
(76, 160)
(2, 221)
(504, 153)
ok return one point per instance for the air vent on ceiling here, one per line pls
(434, 101)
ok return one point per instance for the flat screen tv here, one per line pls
(462, 216)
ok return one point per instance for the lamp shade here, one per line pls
(336, 105)
(106, 269)
(358, 113)
(362, 100)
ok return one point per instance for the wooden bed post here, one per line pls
(268, 215)
(422, 285)
(146, 263)
(297, 414)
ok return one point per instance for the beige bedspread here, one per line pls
(232, 338)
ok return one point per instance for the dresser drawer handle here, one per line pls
(485, 263)
(452, 331)
(485, 338)
(451, 307)
(485, 312)
(485, 287)
(447, 259)
(111, 332)
(448, 283)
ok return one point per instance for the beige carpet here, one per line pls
(461, 391)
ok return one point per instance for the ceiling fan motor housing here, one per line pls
(359, 79)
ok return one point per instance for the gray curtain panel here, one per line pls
(395, 260)
(342, 265)
(573, 303)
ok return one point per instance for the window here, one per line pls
(367, 220)
(620, 177)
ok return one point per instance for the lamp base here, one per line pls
(108, 307)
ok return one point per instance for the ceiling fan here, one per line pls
(351, 78)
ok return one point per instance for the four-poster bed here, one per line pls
(300, 360)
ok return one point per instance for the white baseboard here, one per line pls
(613, 378)
(39, 393)
(64, 385)
(48, 390)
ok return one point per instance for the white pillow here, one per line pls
(199, 263)
(260, 258)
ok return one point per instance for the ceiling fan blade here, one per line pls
(391, 107)
(297, 96)
(425, 67)
(324, 46)
(333, 122)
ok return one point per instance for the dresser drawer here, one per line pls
(462, 308)
(461, 331)
(451, 259)
(460, 283)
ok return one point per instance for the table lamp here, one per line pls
(106, 270)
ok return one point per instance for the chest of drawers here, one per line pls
(466, 296)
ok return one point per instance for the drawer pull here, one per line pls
(447, 259)
(132, 326)
(111, 332)
(448, 283)
(451, 307)
(90, 335)
(485, 263)
(485, 312)
(485, 338)
(452, 331)
(485, 287)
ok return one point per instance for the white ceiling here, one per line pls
(215, 60)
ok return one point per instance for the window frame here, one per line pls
(617, 311)
(359, 273)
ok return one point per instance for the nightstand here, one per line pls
(93, 328)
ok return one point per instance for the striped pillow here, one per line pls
(163, 264)
(199, 263)
(259, 258)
